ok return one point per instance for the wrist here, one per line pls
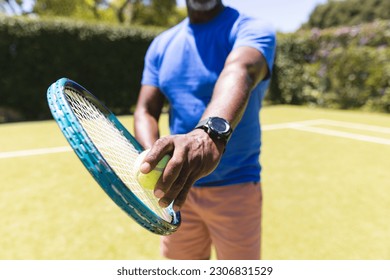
(218, 144)
(218, 129)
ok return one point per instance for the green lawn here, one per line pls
(325, 196)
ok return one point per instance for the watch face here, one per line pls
(219, 125)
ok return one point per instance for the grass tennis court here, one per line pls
(326, 185)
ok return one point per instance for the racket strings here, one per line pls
(119, 153)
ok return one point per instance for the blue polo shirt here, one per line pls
(185, 62)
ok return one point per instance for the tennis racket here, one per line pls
(109, 152)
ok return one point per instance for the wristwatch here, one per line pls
(217, 128)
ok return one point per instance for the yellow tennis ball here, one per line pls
(149, 180)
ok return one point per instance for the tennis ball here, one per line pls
(149, 180)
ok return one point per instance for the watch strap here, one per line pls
(204, 124)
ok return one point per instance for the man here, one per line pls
(213, 68)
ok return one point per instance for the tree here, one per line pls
(159, 13)
(81, 9)
(57, 7)
(348, 12)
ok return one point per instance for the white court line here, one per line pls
(354, 136)
(277, 126)
(373, 128)
(34, 152)
(307, 126)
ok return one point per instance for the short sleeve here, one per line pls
(151, 66)
(258, 34)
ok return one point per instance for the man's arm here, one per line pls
(244, 68)
(147, 114)
(195, 154)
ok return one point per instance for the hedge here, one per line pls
(346, 68)
(105, 59)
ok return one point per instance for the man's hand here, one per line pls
(194, 155)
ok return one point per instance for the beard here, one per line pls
(202, 7)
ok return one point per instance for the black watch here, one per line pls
(217, 128)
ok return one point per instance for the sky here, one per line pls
(285, 15)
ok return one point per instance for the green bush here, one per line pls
(107, 60)
(345, 67)
(348, 13)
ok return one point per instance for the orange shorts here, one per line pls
(229, 218)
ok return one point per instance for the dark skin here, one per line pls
(195, 154)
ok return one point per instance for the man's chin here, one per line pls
(202, 7)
